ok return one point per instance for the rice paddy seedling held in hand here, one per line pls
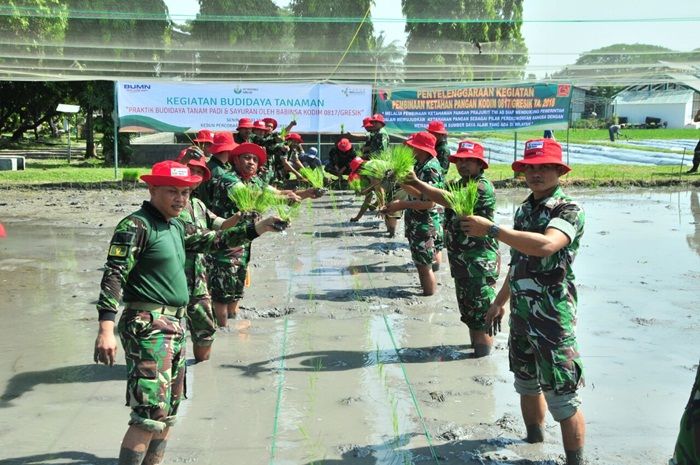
(376, 168)
(401, 161)
(315, 176)
(462, 199)
(285, 210)
(265, 200)
(244, 197)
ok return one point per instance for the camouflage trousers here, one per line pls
(421, 240)
(439, 222)
(200, 320)
(224, 278)
(474, 297)
(154, 346)
(546, 354)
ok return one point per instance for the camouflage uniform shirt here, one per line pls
(470, 256)
(443, 155)
(430, 173)
(378, 142)
(542, 288)
(216, 168)
(197, 218)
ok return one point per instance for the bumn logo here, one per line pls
(137, 87)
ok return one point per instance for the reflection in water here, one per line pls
(694, 239)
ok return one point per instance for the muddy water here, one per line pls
(341, 359)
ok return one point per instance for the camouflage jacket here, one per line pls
(146, 259)
(430, 173)
(443, 154)
(223, 206)
(472, 256)
(216, 168)
(378, 142)
(539, 282)
(197, 218)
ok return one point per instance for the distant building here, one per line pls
(669, 104)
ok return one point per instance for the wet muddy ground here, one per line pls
(340, 360)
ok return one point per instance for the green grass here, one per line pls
(583, 136)
(597, 173)
(51, 171)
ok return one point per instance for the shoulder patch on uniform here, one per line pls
(118, 250)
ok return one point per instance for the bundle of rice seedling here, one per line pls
(265, 199)
(401, 161)
(244, 196)
(285, 210)
(358, 185)
(462, 199)
(377, 167)
(315, 176)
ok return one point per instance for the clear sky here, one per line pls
(554, 45)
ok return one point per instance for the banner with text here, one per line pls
(484, 108)
(188, 107)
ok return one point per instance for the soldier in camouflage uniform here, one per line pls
(543, 350)
(200, 316)
(420, 213)
(204, 139)
(244, 131)
(378, 138)
(146, 260)
(437, 128)
(218, 164)
(687, 450)
(227, 271)
(473, 260)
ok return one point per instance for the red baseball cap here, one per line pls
(204, 135)
(245, 123)
(253, 149)
(271, 121)
(170, 173)
(469, 149)
(223, 142)
(200, 163)
(377, 118)
(344, 145)
(293, 136)
(423, 141)
(541, 152)
(260, 124)
(438, 127)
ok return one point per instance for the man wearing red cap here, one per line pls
(197, 217)
(288, 160)
(227, 271)
(145, 269)
(204, 139)
(420, 212)
(243, 131)
(378, 138)
(339, 158)
(474, 261)
(437, 128)
(543, 350)
(218, 163)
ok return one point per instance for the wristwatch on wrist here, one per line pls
(493, 231)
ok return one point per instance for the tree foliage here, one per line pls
(473, 50)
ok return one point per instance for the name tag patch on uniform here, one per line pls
(119, 251)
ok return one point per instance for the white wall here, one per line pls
(676, 114)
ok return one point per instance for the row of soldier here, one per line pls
(157, 252)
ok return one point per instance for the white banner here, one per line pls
(188, 107)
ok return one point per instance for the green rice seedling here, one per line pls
(315, 176)
(244, 197)
(265, 200)
(358, 185)
(462, 199)
(395, 417)
(401, 161)
(377, 167)
(130, 175)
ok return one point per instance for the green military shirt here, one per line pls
(686, 451)
(378, 142)
(430, 173)
(146, 259)
(340, 159)
(237, 138)
(197, 218)
(443, 155)
(531, 277)
(471, 256)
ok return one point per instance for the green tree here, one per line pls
(223, 46)
(321, 44)
(490, 46)
(387, 59)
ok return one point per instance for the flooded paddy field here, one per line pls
(339, 359)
